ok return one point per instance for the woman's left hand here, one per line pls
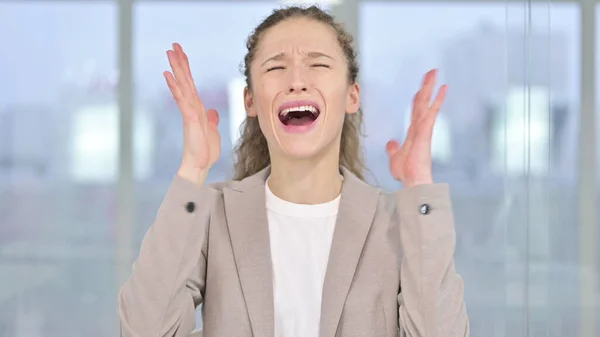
(411, 162)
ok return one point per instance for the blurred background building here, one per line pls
(76, 196)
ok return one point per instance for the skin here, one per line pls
(300, 59)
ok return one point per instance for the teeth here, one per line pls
(310, 108)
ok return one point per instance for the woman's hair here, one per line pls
(251, 151)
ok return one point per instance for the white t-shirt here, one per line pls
(300, 238)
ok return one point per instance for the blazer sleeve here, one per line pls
(168, 279)
(431, 300)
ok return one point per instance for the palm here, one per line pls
(201, 139)
(411, 162)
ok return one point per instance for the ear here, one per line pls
(353, 100)
(249, 103)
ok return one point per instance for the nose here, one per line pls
(297, 82)
(297, 88)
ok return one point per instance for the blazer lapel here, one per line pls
(248, 228)
(357, 208)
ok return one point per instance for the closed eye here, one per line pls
(321, 65)
(275, 68)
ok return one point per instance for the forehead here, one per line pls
(306, 35)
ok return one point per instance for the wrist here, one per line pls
(413, 183)
(194, 175)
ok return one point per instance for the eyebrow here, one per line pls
(311, 55)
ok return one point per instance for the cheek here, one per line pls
(337, 97)
(265, 95)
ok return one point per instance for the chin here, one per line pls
(300, 149)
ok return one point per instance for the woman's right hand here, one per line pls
(201, 139)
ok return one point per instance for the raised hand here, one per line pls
(201, 139)
(411, 162)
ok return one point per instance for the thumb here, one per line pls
(213, 118)
(392, 147)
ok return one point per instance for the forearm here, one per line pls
(157, 299)
(431, 302)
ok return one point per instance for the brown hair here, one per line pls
(251, 151)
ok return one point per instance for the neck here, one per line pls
(306, 181)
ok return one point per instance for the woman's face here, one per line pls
(300, 88)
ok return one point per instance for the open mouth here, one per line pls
(298, 116)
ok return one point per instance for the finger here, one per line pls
(428, 84)
(427, 125)
(178, 65)
(185, 65)
(213, 118)
(179, 97)
(177, 47)
(172, 83)
(184, 92)
(394, 152)
(418, 104)
(175, 64)
(179, 71)
(423, 97)
(439, 100)
(187, 77)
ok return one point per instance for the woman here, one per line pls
(298, 245)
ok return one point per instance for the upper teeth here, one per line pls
(299, 108)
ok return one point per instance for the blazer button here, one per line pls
(190, 206)
(424, 209)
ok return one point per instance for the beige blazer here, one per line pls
(390, 270)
